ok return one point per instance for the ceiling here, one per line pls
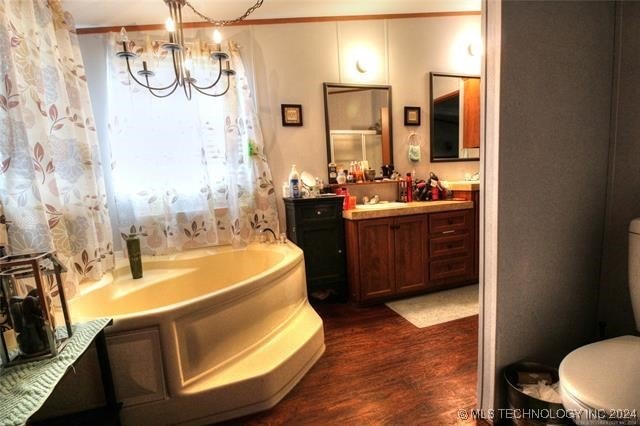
(106, 13)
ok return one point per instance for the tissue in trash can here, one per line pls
(532, 378)
(543, 391)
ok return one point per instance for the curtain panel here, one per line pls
(51, 182)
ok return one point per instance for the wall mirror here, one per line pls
(358, 124)
(455, 117)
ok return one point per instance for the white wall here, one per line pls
(291, 61)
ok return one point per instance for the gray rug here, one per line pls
(436, 308)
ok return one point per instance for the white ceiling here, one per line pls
(106, 13)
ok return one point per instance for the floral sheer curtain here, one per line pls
(186, 173)
(51, 183)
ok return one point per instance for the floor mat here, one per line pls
(435, 308)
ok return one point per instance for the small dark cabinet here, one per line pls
(316, 226)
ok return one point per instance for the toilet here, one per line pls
(600, 382)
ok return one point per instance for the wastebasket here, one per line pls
(526, 410)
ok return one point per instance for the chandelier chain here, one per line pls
(226, 21)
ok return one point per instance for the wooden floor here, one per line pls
(380, 369)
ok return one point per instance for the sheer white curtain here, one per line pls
(186, 173)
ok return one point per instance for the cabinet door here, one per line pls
(324, 258)
(410, 236)
(375, 252)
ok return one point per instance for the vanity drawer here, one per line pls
(451, 268)
(456, 244)
(320, 212)
(449, 222)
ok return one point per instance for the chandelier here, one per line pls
(182, 64)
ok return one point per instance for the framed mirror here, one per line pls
(454, 117)
(358, 124)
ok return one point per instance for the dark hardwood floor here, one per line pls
(380, 369)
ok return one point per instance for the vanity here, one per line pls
(401, 249)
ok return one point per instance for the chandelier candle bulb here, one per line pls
(124, 37)
(217, 39)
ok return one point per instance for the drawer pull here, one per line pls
(318, 212)
(339, 251)
(449, 232)
(450, 221)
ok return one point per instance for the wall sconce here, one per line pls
(363, 64)
(475, 48)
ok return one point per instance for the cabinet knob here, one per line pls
(339, 251)
(450, 221)
(318, 212)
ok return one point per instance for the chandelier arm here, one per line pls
(199, 88)
(164, 95)
(227, 21)
(148, 85)
(177, 69)
(187, 89)
(214, 95)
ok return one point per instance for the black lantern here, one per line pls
(31, 292)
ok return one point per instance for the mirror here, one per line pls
(358, 124)
(455, 117)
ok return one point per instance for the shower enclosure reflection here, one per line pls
(358, 124)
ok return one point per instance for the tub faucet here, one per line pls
(265, 230)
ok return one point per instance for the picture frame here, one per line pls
(412, 116)
(291, 114)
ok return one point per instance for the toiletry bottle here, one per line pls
(435, 193)
(294, 182)
(341, 179)
(285, 190)
(4, 238)
(333, 173)
(409, 182)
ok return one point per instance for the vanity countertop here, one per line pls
(463, 185)
(404, 209)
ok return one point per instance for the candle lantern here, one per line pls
(31, 294)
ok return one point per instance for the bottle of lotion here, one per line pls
(294, 182)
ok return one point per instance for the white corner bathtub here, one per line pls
(206, 335)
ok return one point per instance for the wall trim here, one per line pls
(488, 375)
(153, 27)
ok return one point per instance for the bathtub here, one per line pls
(206, 335)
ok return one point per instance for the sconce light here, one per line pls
(363, 64)
(475, 48)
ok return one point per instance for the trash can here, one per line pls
(527, 410)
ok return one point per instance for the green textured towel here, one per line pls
(25, 387)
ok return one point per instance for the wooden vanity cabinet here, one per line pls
(473, 195)
(386, 257)
(397, 256)
(451, 253)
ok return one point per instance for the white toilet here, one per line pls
(601, 381)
